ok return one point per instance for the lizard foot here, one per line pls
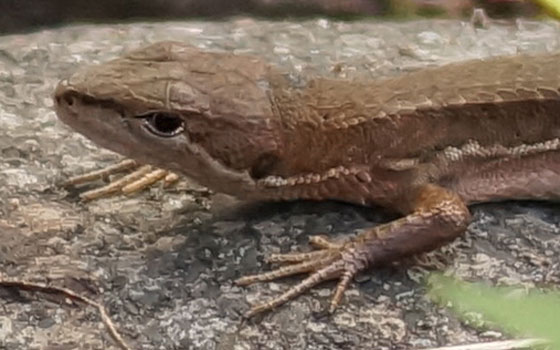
(142, 176)
(332, 261)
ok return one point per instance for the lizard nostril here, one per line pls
(69, 100)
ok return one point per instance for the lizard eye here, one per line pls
(163, 124)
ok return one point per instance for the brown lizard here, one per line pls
(425, 144)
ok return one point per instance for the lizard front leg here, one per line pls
(436, 216)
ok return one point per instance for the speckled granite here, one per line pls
(162, 262)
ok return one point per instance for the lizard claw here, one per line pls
(331, 261)
(142, 176)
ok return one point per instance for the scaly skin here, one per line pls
(425, 144)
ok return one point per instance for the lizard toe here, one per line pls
(140, 177)
(342, 262)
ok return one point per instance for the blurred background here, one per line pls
(27, 15)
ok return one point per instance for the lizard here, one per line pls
(425, 144)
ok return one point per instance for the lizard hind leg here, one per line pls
(437, 216)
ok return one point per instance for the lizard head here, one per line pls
(206, 115)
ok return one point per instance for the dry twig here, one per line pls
(43, 288)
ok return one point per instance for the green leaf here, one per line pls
(534, 314)
(552, 7)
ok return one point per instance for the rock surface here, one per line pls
(162, 262)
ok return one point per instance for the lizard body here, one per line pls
(426, 143)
